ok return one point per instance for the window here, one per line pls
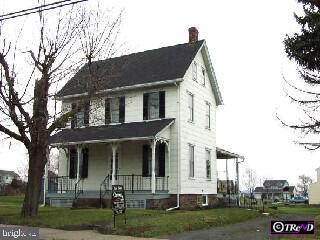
(73, 163)
(153, 105)
(203, 71)
(81, 117)
(191, 107)
(208, 164)
(208, 122)
(204, 200)
(159, 160)
(115, 110)
(191, 160)
(194, 71)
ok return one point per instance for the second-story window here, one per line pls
(153, 105)
(208, 121)
(81, 117)
(115, 110)
(191, 107)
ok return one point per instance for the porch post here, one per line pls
(153, 164)
(79, 149)
(114, 152)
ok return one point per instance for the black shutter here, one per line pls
(122, 107)
(74, 117)
(107, 111)
(162, 160)
(145, 106)
(145, 162)
(85, 160)
(72, 163)
(86, 113)
(162, 104)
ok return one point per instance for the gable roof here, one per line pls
(151, 66)
(10, 173)
(275, 183)
(107, 133)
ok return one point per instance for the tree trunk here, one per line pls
(39, 146)
(37, 160)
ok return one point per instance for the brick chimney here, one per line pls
(193, 34)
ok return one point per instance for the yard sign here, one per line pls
(118, 202)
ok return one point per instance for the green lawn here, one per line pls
(146, 223)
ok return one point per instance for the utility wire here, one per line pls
(39, 9)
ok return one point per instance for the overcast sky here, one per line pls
(245, 40)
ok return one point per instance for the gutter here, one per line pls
(125, 88)
(179, 154)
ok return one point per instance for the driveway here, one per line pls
(254, 229)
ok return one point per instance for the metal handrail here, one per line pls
(103, 183)
(78, 188)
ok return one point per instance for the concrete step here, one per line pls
(61, 202)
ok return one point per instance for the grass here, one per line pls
(143, 223)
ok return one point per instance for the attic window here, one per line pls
(194, 71)
(203, 76)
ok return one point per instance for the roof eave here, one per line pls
(125, 88)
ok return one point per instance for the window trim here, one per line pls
(191, 146)
(194, 71)
(207, 200)
(191, 108)
(208, 115)
(203, 71)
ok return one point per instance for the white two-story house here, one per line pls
(149, 126)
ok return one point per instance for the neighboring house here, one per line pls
(314, 190)
(151, 126)
(275, 190)
(6, 177)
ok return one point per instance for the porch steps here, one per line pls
(61, 202)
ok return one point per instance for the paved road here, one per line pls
(254, 229)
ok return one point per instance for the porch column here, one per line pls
(153, 165)
(114, 152)
(79, 155)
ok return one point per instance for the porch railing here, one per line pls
(78, 188)
(61, 184)
(133, 183)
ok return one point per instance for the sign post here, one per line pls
(118, 202)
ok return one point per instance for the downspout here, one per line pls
(179, 154)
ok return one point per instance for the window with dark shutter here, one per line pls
(86, 113)
(162, 104)
(74, 117)
(107, 111)
(145, 106)
(122, 107)
(145, 160)
(72, 163)
(85, 161)
(162, 160)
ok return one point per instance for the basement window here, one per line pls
(204, 200)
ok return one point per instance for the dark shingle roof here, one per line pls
(6, 172)
(156, 65)
(276, 183)
(111, 132)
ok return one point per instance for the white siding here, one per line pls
(196, 133)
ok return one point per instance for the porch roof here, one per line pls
(109, 133)
(224, 154)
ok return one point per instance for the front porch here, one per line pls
(87, 170)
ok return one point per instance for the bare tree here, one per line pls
(250, 180)
(26, 104)
(303, 184)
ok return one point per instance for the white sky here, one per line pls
(245, 40)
